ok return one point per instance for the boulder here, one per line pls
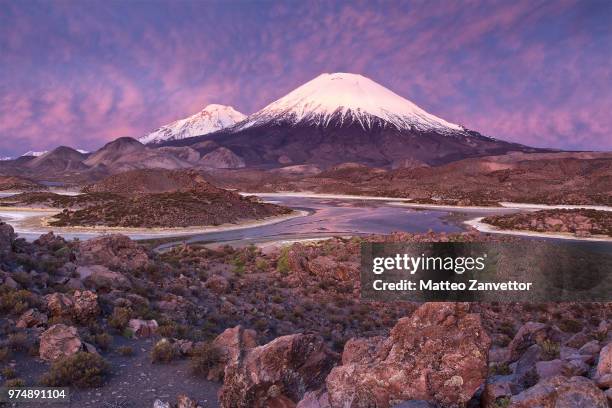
(604, 381)
(6, 280)
(604, 365)
(7, 236)
(561, 392)
(184, 401)
(590, 348)
(31, 318)
(217, 284)
(315, 399)
(415, 404)
(59, 304)
(232, 344)
(115, 251)
(284, 369)
(59, 341)
(161, 404)
(85, 305)
(439, 354)
(529, 334)
(547, 369)
(100, 277)
(143, 328)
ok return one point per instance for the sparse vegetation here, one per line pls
(82, 370)
(203, 358)
(163, 352)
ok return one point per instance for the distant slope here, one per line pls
(151, 181)
(128, 154)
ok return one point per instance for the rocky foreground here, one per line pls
(580, 222)
(284, 328)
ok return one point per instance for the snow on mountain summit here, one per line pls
(212, 118)
(348, 98)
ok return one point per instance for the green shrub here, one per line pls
(125, 351)
(5, 354)
(282, 264)
(120, 318)
(18, 342)
(163, 352)
(502, 402)
(570, 325)
(261, 265)
(14, 383)
(499, 369)
(203, 358)
(550, 349)
(103, 340)
(82, 370)
(8, 373)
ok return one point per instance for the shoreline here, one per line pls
(409, 202)
(490, 229)
(307, 194)
(21, 226)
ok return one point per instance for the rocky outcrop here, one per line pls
(7, 236)
(31, 318)
(529, 334)
(280, 371)
(100, 277)
(115, 251)
(604, 364)
(85, 305)
(439, 354)
(143, 328)
(59, 304)
(315, 399)
(561, 392)
(232, 344)
(59, 341)
(183, 401)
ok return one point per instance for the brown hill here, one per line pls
(60, 159)
(125, 154)
(152, 181)
(19, 184)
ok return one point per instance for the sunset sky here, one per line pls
(81, 73)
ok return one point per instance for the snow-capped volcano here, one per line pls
(212, 118)
(341, 118)
(343, 98)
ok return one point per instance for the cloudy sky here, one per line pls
(82, 73)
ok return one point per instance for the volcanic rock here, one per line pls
(288, 367)
(100, 277)
(232, 344)
(439, 354)
(113, 251)
(561, 392)
(31, 318)
(59, 341)
(143, 328)
(85, 305)
(59, 304)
